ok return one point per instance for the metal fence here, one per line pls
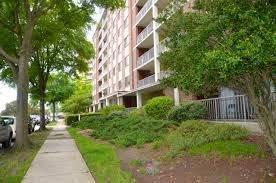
(234, 108)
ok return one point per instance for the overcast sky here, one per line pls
(8, 94)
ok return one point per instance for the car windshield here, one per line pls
(7, 120)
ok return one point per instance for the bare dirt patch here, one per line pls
(200, 169)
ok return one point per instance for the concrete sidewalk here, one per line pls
(58, 161)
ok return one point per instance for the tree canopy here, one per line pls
(227, 43)
(19, 20)
(81, 98)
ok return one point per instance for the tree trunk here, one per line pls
(263, 100)
(42, 112)
(54, 111)
(22, 117)
(42, 89)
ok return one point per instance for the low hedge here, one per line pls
(72, 118)
(188, 111)
(112, 108)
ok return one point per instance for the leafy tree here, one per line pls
(81, 98)
(226, 43)
(18, 21)
(62, 48)
(10, 109)
(59, 88)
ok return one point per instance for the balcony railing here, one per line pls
(146, 81)
(162, 48)
(163, 74)
(233, 108)
(146, 57)
(145, 33)
(143, 11)
(103, 86)
(104, 72)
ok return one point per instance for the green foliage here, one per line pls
(72, 118)
(158, 107)
(112, 108)
(194, 133)
(224, 46)
(80, 99)
(137, 112)
(188, 111)
(10, 109)
(59, 88)
(101, 159)
(228, 148)
(125, 130)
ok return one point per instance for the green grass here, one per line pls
(136, 163)
(232, 148)
(101, 160)
(14, 163)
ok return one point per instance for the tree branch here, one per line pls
(27, 9)
(7, 57)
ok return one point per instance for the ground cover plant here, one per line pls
(125, 130)
(14, 163)
(201, 137)
(101, 160)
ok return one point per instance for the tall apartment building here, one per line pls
(126, 69)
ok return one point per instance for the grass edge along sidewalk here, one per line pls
(101, 159)
(14, 163)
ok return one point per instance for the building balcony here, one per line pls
(144, 11)
(103, 86)
(146, 57)
(150, 80)
(145, 34)
(161, 47)
(163, 74)
(146, 81)
(103, 73)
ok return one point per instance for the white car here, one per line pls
(5, 134)
(10, 120)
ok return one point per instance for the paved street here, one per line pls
(58, 161)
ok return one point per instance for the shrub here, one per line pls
(194, 133)
(112, 108)
(69, 119)
(72, 118)
(158, 107)
(138, 112)
(187, 111)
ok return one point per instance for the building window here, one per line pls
(126, 41)
(127, 61)
(120, 85)
(127, 81)
(126, 22)
(120, 67)
(114, 55)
